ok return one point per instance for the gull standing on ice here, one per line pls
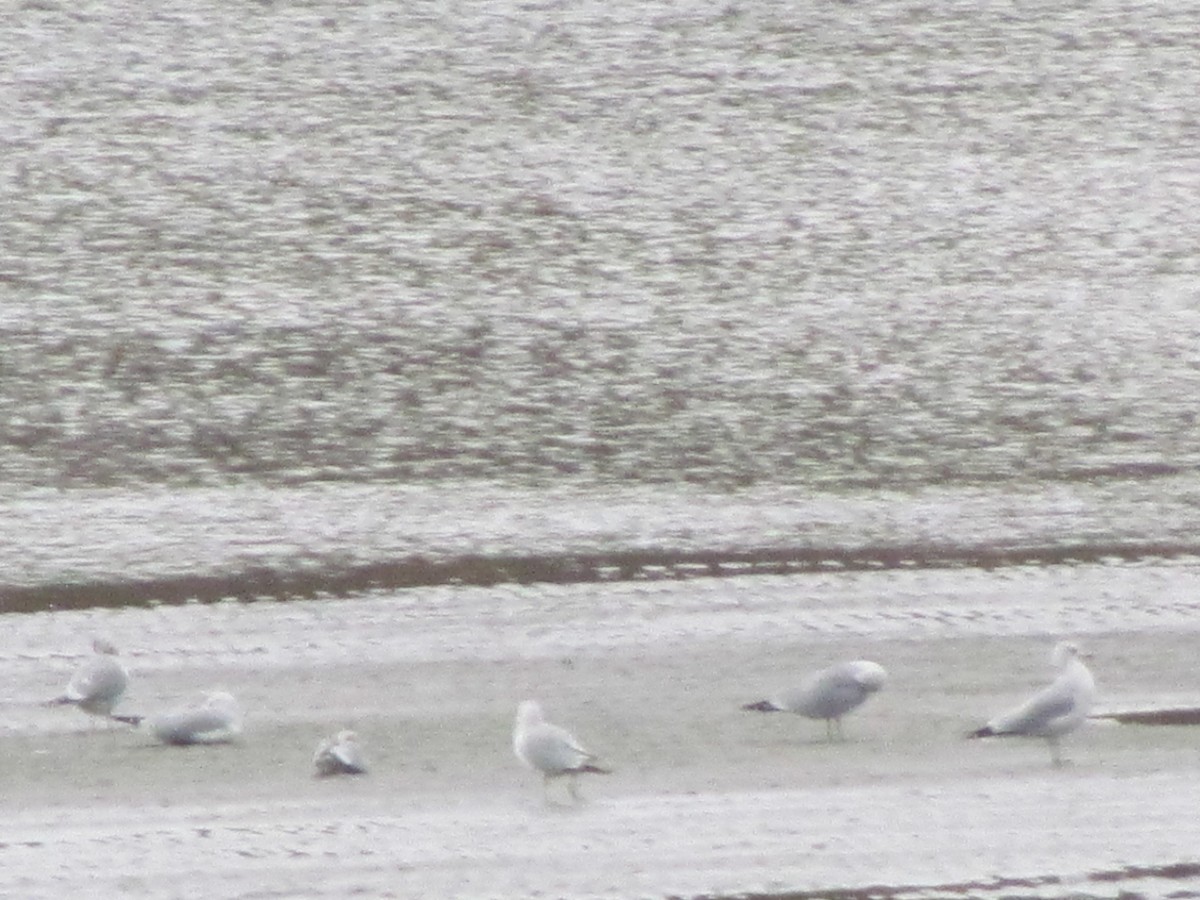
(213, 717)
(98, 684)
(551, 750)
(828, 694)
(340, 755)
(1056, 710)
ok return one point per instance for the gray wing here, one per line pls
(826, 694)
(1038, 714)
(552, 750)
(340, 757)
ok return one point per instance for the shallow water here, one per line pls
(293, 292)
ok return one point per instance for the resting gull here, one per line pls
(828, 694)
(213, 717)
(340, 755)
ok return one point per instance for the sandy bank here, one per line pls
(706, 799)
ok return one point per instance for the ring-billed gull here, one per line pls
(212, 717)
(828, 694)
(340, 755)
(98, 684)
(551, 750)
(1056, 710)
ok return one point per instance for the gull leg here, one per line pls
(1055, 756)
(833, 730)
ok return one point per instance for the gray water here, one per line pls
(803, 247)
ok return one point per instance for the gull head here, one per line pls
(1064, 652)
(871, 676)
(224, 705)
(529, 713)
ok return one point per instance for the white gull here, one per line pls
(340, 755)
(551, 750)
(1056, 710)
(212, 717)
(98, 684)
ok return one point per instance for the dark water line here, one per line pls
(267, 583)
(1188, 715)
(998, 886)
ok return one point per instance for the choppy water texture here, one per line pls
(750, 242)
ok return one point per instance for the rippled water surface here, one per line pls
(743, 243)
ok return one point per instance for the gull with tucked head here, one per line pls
(212, 717)
(828, 694)
(340, 755)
